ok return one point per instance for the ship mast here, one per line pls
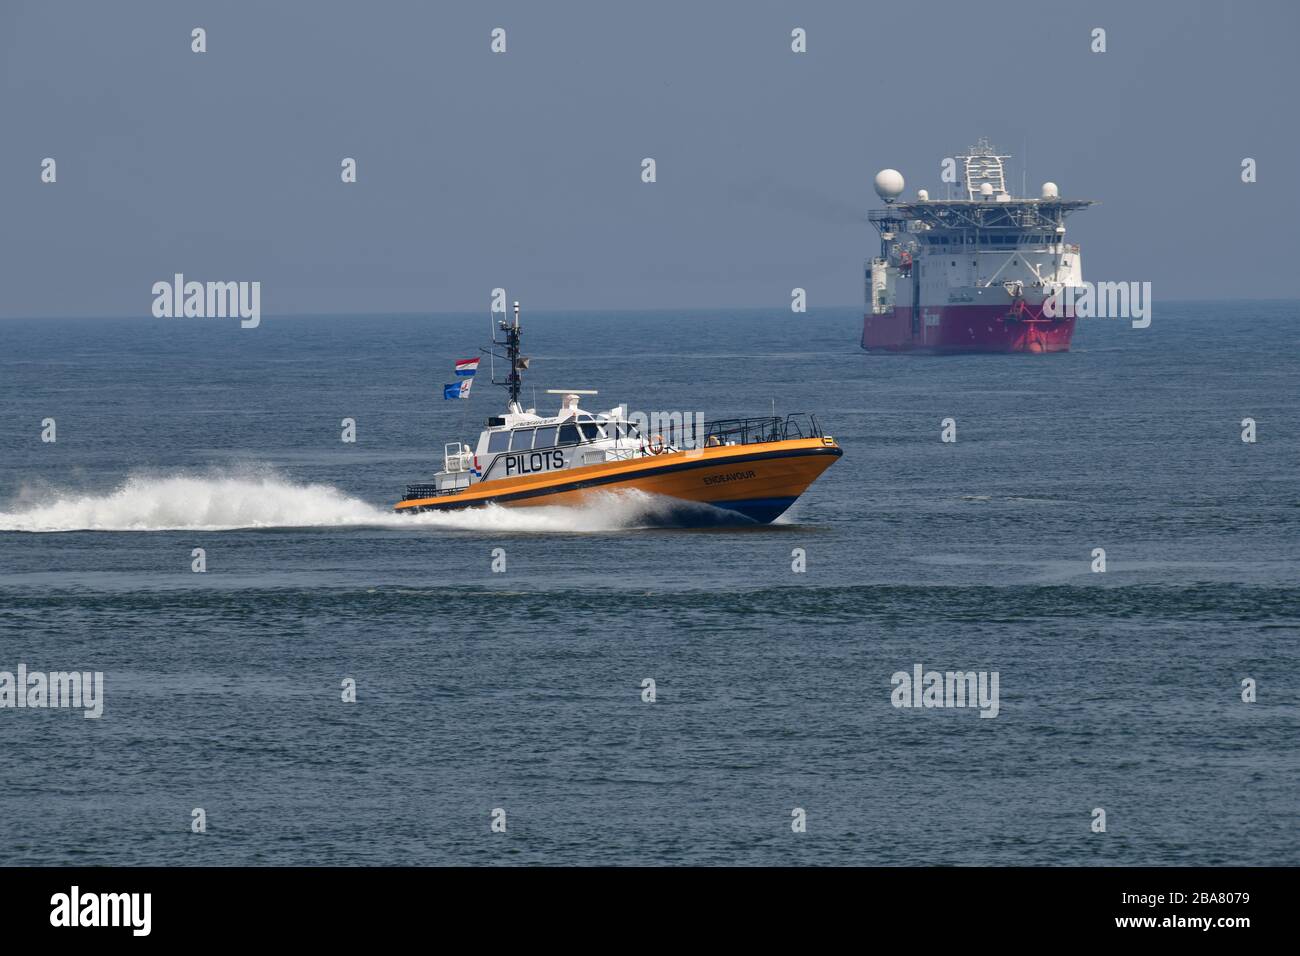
(984, 165)
(516, 363)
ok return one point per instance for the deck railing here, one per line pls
(747, 431)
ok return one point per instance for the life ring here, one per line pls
(657, 445)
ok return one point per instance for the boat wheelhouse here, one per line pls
(523, 443)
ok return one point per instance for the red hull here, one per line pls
(964, 328)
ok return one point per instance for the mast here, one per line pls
(516, 363)
(984, 165)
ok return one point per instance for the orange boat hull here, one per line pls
(759, 481)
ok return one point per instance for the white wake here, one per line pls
(233, 502)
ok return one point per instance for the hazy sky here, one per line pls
(523, 169)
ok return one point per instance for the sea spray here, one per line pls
(228, 502)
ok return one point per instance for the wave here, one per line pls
(222, 502)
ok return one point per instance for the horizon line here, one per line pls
(614, 311)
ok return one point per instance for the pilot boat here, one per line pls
(755, 467)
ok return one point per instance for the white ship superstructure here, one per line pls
(970, 274)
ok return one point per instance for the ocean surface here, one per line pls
(522, 690)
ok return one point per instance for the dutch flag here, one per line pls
(457, 389)
(466, 366)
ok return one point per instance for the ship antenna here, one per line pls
(516, 363)
(515, 380)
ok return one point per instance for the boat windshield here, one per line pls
(568, 433)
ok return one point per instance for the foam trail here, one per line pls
(228, 503)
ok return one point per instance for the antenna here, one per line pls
(514, 380)
(983, 167)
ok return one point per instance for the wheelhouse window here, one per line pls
(545, 437)
(592, 431)
(569, 434)
(498, 441)
(522, 439)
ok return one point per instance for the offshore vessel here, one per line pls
(755, 467)
(972, 274)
